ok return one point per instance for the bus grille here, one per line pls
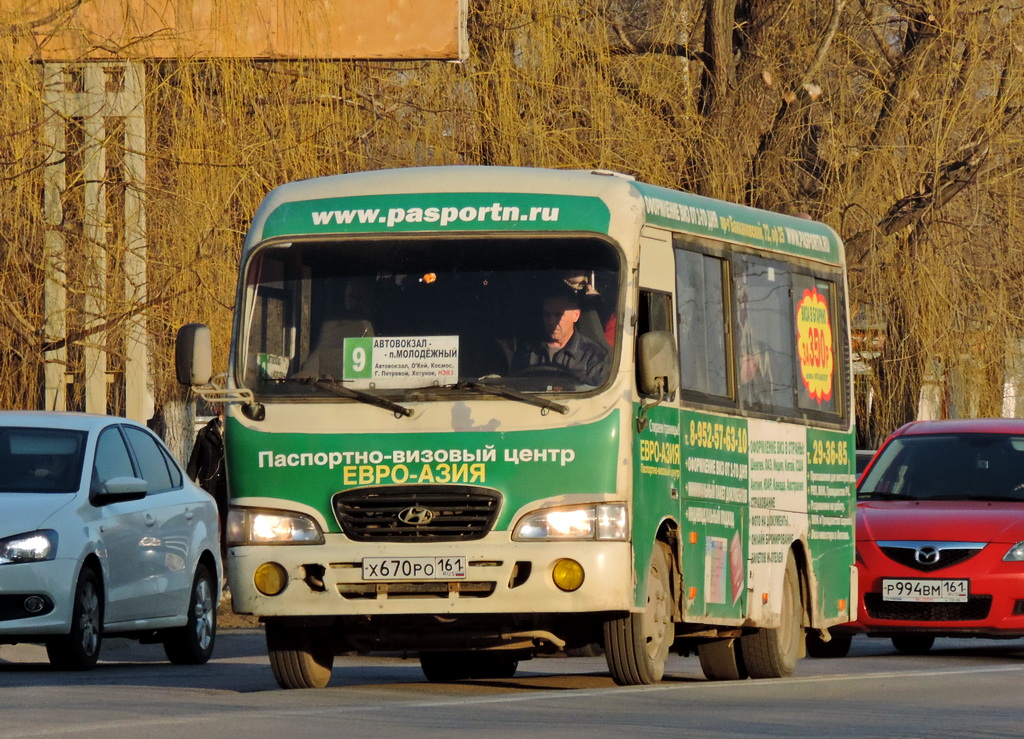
(393, 590)
(975, 609)
(420, 513)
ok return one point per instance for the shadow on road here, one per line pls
(240, 665)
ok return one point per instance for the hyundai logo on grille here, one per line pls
(416, 516)
(927, 555)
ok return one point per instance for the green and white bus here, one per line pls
(479, 414)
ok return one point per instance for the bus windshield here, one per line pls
(421, 317)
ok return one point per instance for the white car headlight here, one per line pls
(1016, 553)
(254, 526)
(601, 522)
(35, 546)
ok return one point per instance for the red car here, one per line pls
(940, 536)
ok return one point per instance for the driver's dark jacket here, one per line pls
(586, 359)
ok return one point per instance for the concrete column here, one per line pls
(87, 94)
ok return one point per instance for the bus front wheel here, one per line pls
(774, 652)
(297, 658)
(637, 645)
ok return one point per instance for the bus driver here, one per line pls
(561, 345)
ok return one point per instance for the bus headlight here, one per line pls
(253, 526)
(601, 522)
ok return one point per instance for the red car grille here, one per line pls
(976, 608)
(947, 557)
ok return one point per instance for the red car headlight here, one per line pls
(1016, 553)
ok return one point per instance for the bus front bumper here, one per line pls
(499, 578)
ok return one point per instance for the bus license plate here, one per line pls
(414, 568)
(926, 591)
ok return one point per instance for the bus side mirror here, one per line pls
(657, 363)
(192, 354)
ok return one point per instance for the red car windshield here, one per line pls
(948, 467)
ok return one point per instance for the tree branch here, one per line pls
(803, 94)
(627, 47)
(71, 338)
(59, 12)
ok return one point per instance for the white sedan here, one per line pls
(102, 534)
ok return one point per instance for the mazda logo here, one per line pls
(416, 516)
(926, 555)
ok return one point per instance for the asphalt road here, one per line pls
(961, 688)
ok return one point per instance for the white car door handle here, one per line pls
(150, 521)
(189, 514)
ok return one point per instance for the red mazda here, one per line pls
(940, 536)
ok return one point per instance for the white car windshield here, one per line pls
(36, 460)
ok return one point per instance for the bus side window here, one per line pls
(703, 319)
(765, 333)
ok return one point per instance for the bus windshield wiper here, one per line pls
(502, 392)
(337, 388)
(508, 393)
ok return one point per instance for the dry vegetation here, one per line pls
(898, 123)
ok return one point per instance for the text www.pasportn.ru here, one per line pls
(442, 216)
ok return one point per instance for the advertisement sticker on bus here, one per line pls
(439, 212)
(814, 345)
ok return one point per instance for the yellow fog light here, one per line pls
(567, 575)
(270, 578)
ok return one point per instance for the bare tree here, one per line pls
(896, 121)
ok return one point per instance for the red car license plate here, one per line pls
(926, 590)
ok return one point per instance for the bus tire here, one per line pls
(637, 645)
(296, 658)
(774, 652)
(721, 660)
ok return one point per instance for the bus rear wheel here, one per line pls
(297, 659)
(774, 652)
(637, 645)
